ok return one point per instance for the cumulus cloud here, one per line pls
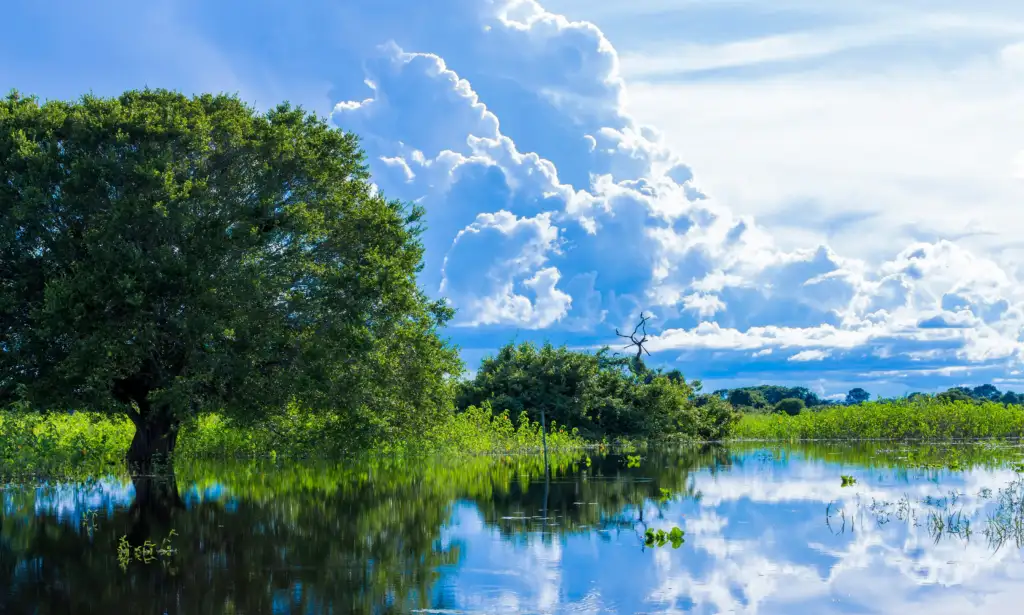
(550, 207)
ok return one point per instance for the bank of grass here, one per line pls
(60, 444)
(889, 420)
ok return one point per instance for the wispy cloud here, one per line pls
(682, 57)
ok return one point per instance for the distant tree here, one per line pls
(747, 398)
(857, 396)
(163, 255)
(810, 398)
(918, 396)
(1011, 398)
(986, 392)
(955, 394)
(791, 406)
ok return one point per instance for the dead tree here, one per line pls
(638, 342)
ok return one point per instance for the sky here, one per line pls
(799, 192)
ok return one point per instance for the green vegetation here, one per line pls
(236, 287)
(162, 257)
(598, 394)
(931, 418)
(765, 398)
(660, 538)
(82, 444)
(231, 281)
(791, 406)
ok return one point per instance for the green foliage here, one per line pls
(56, 445)
(61, 444)
(954, 395)
(594, 393)
(747, 398)
(715, 418)
(764, 399)
(479, 430)
(848, 481)
(899, 419)
(791, 406)
(147, 552)
(857, 396)
(162, 256)
(660, 538)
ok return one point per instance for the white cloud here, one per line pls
(810, 355)
(682, 57)
(589, 228)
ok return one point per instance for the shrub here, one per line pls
(600, 395)
(791, 406)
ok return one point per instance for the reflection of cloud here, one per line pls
(530, 574)
(757, 542)
(71, 501)
(879, 567)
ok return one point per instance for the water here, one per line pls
(767, 530)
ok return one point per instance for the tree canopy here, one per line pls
(599, 394)
(791, 406)
(857, 396)
(162, 255)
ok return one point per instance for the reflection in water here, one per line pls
(768, 530)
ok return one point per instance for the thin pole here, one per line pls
(544, 438)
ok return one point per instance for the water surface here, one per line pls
(767, 530)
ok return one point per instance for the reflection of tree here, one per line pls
(360, 547)
(900, 457)
(356, 537)
(607, 494)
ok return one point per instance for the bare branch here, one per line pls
(632, 337)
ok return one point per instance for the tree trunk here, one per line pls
(156, 500)
(156, 434)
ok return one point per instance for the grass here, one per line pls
(899, 420)
(60, 444)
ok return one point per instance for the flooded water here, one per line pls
(767, 530)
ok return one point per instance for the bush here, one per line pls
(599, 395)
(791, 406)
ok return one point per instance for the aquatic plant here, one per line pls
(848, 481)
(660, 538)
(146, 553)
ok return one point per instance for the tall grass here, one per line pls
(60, 444)
(896, 420)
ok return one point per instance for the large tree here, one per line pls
(163, 255)
(857, 396)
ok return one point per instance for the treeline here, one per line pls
(793, 400)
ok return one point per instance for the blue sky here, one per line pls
(825, 194)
